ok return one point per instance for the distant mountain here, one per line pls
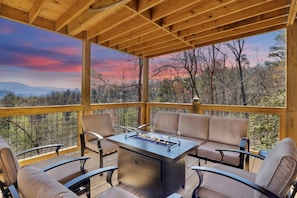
(23, 90)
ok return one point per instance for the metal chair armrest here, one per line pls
(13, 191)
(109, 169)
(239, 151)
(242, 180)
(67, 161)
(99, 137)
(58, 146)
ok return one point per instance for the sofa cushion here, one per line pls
(166, 122)
(9, 165)
(208, 150)
(193, 125)
(227, 130)
(34, 183)
(279, 169)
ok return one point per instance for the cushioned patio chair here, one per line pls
(275, 177)
(165, 123)
(34, 183)
(95, 130)
(62, 168)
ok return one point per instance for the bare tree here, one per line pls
(237, 48)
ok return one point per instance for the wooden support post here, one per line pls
(145, 88)
(291, 112)
(86, 72)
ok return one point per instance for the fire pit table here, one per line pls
(152, 163)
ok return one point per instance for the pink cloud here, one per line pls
(6, 30)
(69, 50)
(46, 64)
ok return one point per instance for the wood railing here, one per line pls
(145, 114)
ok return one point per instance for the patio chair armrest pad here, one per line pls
(240, 151)
(236, 178)
(110, 169)
(99, 137)
(66, 161)
(58, 146)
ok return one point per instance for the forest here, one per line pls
(217, 74)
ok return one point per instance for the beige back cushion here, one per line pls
(34, 183)
(193, 125)
(100, 124)
(227, 130)
(9, 165)
(279, 169)
(166, 122)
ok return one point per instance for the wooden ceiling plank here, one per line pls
(137, 33)
(157, 47)
(141, 39)
(252, 20)
(292, 12)
(244, 14)
(78, 8)
(203, 7)
(121, 29)
(151, 43)
(105, 24)
(216, 13)
(223, 32)
(168, 7)
(88, 19)
(164, 50)
(35, 10)
(242, 35)
(144, 5)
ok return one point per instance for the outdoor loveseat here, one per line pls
(213, 134)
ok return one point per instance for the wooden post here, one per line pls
(291, 112)
(86, 72)
(145, 88)
(145, 78)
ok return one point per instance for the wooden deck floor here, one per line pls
(98, 183)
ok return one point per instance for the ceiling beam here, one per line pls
(292, 12)
(229, 19)
(78, 8)
(35, 10)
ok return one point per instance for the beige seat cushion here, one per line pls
(9, 165)
(208, 150)
(278, 170)
(115, 192)
(215, 186)
(166, 122)
(107, 146)
(34, 183)
(61, 174)
(193, 125)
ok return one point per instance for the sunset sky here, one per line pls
(40, 58)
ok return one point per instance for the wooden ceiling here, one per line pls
(151, 28)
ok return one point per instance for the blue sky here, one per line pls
(40, 58)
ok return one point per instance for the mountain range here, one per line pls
(23, 90)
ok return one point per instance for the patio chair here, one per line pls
(275, 177)
(34, 183)
(62, 168)
(95, 130)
